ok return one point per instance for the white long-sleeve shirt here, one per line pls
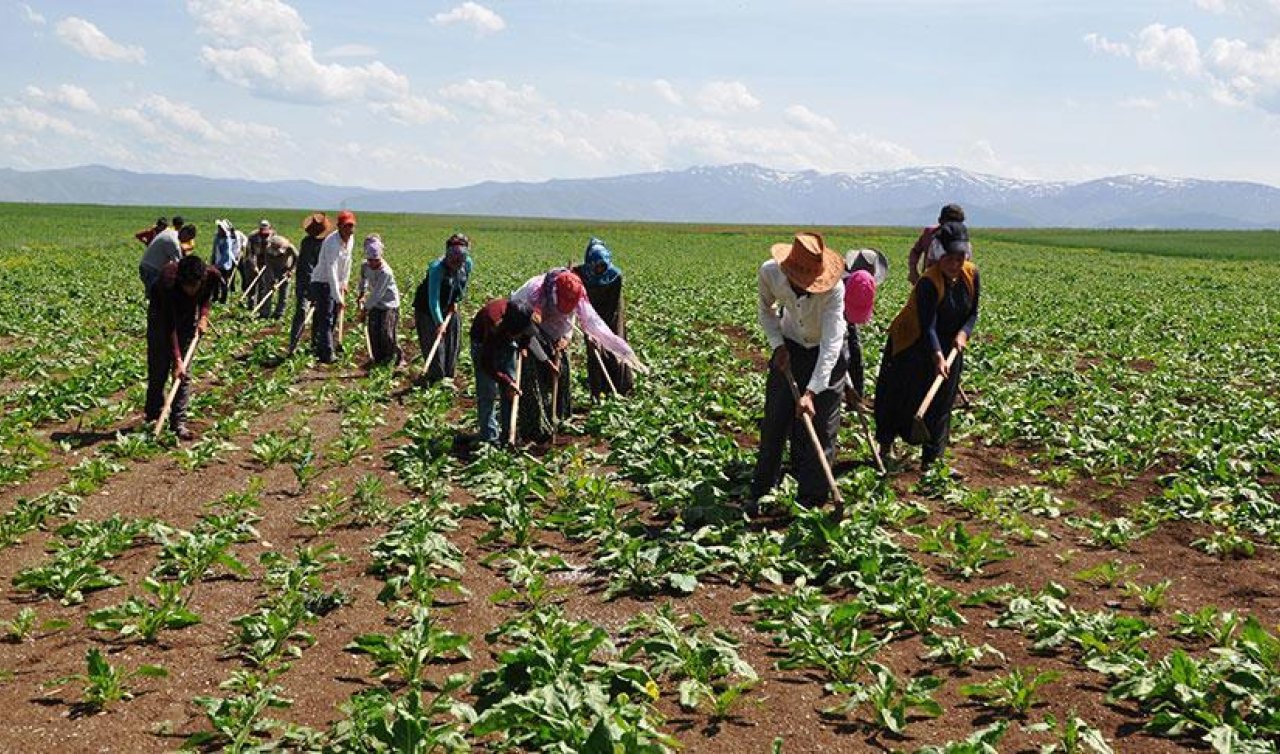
(334, 265)
(813, 320)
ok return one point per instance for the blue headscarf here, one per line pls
(598, 253)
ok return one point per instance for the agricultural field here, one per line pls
(326, 569)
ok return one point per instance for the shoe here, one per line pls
(182, 433)
(751, 507)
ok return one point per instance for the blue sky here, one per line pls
(427, 94)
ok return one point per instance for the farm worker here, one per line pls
(166, 247)
(439, 293)
(865, 271)
(179, 307)
(603, 281)
(329, 285)
(498, 330)
(801, 310)
(559, 298)
(926, 250)
(186, 246)
(316, 226)
(255, 254)
(379, 302)
(147, 235)
(279, 257)
(226, 252)
(939, 315)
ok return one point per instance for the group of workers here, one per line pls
(811, 304)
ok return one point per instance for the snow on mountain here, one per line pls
(736, 193)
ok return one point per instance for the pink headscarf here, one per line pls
(859, 297)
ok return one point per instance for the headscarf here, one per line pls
(373, 246)
(598, 254)
(559, 295)
(859, 297)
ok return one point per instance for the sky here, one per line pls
(429, 94)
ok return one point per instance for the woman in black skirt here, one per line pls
(938, 316)
(603, 281)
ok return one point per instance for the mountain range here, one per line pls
(741, 193)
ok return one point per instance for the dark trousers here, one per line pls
(780, 424)
(273, 309)
(224, 286)
(248, 273)
(149, 276)
(299, 319)
(159, 365)
(382, 334)
(857, 372)
(323, 318)
(445, 362)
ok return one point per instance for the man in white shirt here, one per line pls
(801, 311)
(329, 285)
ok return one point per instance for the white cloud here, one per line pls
(802, 117)
(726, 98)
(352, 51)
(667, 92)
(175, 123)
(704, 141)
(88, 40)
(412, 111)
(262, 46)
(471, 14)
(494, 97)
(1099, 43)
(31, 15)
(38, 122)
(1172, 50)
(66, 95)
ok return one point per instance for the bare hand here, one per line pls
(962, 340)
(781, 359)
(804, 406)
(512, 391)
(562, 344)
(940, 365)
(440, 330)
(361, 316)
(203, 325)
(179, 371)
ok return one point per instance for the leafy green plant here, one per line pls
(1074, 736)
(145, 618)
(1226, 544)
(957, 652)
(891, 701)
(680, 647)
(103, 684)
(376, 720)
(1150, 597)
(963, 554)
(26, 624)
(239, 719)
(407, 652)
(1016, 691)
(1107, 574)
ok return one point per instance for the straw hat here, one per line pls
(808, 263)
(316, 224)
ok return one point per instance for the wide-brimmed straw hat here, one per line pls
(808, 263)
(316, 224)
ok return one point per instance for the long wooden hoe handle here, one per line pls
(368, 339)
(250, 286)
(173, 391)
(595, 350)
(436, 345)
(813, 438)
(515, 403)
(270, 294)
(934, 388)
